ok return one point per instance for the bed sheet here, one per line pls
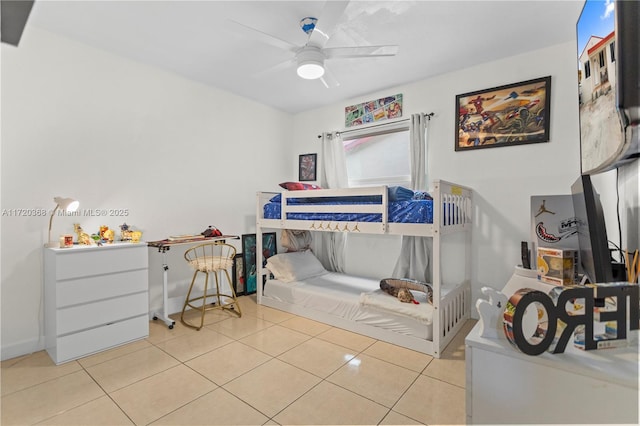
(340, 295)
(412, 211)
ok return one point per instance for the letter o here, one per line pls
(514, 313)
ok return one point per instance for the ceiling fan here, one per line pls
(310, 58)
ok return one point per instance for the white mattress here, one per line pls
(342, 295)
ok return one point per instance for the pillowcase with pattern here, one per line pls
(297, 186)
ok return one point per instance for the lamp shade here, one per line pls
(67, 204)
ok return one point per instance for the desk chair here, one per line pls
(215, 259)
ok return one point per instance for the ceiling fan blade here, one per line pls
(360, 51)
(274, 69)
(260, 36)
(14, 18)
(328, 79)
(327, 22)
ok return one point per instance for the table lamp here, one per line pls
(66, 204)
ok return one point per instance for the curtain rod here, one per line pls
(429, 115)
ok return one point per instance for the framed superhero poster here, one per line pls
(514, 114)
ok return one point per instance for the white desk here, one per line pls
(163, 247)
(505, 386)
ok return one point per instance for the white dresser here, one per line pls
(96, 298)
(505, 386)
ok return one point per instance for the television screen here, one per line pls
(594, 257)
(609, 88)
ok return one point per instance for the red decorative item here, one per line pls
(212, 231)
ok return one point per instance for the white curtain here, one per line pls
(333, 174)
(414, 262)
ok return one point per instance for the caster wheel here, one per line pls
(155, 318)
(171, 327)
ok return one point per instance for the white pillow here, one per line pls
(295, 266)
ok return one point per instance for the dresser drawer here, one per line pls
(89, 315)
(98, 339)
(95, 261)
(95, 288)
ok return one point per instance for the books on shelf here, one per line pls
(186, 237)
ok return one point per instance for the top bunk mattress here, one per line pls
(408, 211)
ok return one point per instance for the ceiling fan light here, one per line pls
(310, 63)
(310, 70)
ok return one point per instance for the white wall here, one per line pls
(503, 178)
(79, 122)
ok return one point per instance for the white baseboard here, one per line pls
(22, 348)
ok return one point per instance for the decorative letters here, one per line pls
(562, 323)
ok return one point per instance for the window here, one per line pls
(379, 157)
(587, 70)
(612, 51)
(601, 59)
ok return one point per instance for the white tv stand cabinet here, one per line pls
(96, 298)
(505, 386)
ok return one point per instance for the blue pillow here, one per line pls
(276, 198)
(422, 195)
(399, 193)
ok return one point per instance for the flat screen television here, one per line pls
(594, 257)
(608, 36)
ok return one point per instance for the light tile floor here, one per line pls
(268, 367)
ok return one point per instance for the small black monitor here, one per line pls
(595, 259)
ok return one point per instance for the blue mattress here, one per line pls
(411, 211)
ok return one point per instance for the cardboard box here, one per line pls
(557, 266)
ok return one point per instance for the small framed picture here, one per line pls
(307, 165)
(238, 275)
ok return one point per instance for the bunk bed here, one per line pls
(355, 303)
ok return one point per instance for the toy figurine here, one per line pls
(125, 232)
(108, 235)
(490, 312)
(83, 237)
(103, 229)
(96, 238)
(135, 236)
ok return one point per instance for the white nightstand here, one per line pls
(96, 298)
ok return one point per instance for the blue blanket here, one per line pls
(412, 211)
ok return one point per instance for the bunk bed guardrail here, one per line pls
(455, 213)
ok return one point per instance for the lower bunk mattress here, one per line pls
(356, 299)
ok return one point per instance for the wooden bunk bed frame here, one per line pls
(453, 215)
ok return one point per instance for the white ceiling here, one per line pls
(197, 40)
